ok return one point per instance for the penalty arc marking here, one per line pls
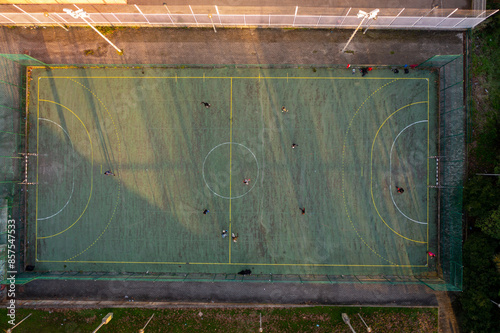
(73, 180)
(371, 172)
(390, 172)
(91, 170)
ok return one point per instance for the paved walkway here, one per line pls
(92, 294)
(232, 292)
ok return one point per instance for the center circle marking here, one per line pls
(254, 181)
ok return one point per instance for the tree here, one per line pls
(490, 225)
(481, 283)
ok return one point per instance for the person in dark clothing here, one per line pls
(245, 272)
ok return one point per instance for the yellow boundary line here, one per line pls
(37, 140)
(259, 77)
(217, 263)
(91, 170)
(230, 77)
(371, 171)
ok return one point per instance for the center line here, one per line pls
(230, 145)
(230, 158)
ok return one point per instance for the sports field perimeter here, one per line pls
(357, 139)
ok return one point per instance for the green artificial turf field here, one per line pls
(358, 138)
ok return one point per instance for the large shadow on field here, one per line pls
(56, 97)
(129, 235)
(99, 119)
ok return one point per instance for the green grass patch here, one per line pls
(481, 252)
(306, 319)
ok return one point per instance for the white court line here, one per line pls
(73, 185)
(390, 172)
(230, 143)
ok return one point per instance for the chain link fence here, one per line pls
(451, 168)
(240, 16)
(12, 138)
(451, 163)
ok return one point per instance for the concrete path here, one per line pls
(101, 294)
(232, 292)
(229, 46)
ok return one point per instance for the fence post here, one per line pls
(28, 14)
(296, 10)
(218, 14)
(169, 15)
(341, 23)
(394, 19)
(62, 18)
(460, 22)
(193, 15)
(447, 17)
(7, 18)
(140, 11)
(423, 16)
